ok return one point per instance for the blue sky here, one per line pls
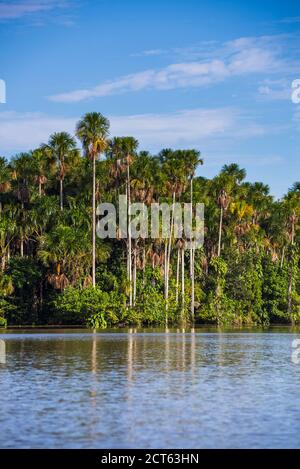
(213, 75)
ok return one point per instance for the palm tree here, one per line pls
(62, 147)
(122, 150)
(43, 163)
(192, 161)
(5, 179)
(92, 130)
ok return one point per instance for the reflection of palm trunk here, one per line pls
(94, 354)
(130, 355)
(94, 223)
(220, 231)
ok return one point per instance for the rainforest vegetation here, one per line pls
(54, 270)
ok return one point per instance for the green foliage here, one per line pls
(247, 272)
(90, 306)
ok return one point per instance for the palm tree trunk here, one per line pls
(192, 255)
(193, 286)
(129, 237)
(61, 194)
(191, 248)
(134, 274)
(94, 224)
(182, 284)
(144, 262)
(282, 257)
(22, 246)
(165, 266)
(169, 257)
(220, 232)
(177, 275)
(290, 293)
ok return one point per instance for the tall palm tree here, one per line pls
(62, 147)
(5, 179)
(93, 130)
(192, 161)
(123, 151)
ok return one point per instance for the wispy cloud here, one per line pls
(10, 10)
(150, 53)
(235, 58)
(290, 20)
(275, 90)
(23, 131)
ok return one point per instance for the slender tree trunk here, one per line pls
(166, 266)
(22, 237)
(22, 246)
(193, 286)
(291, 275)
(40, 188)
(94, 224)
(192, 255)
(168, 258)
(182, 283)
(134, 274)
(191, 248)
(290, 293)
(293, 233)
(282, 257)
(144, 262)
(61, 193)
(129, 237)
(177, 275)
(220, 232)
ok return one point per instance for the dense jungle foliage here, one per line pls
(54, 270)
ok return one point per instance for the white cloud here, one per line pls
(235, 58)
(24, 131)
(17, 9)
(149, 53)
(275, 90)
(290, 20)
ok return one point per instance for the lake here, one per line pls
(149, 389)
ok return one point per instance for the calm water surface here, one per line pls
(206, 389)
